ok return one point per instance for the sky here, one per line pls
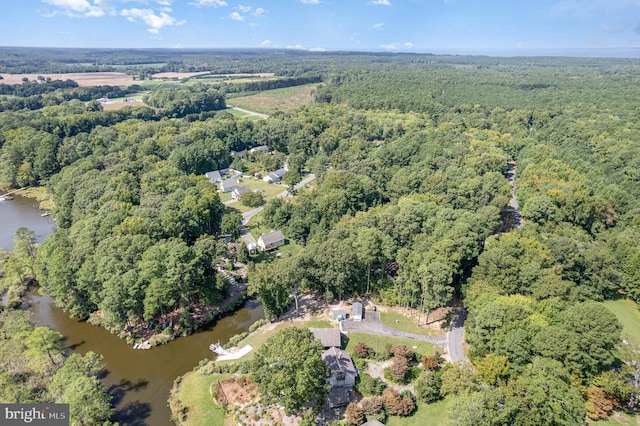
(437, 26)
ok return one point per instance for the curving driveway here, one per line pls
(371, 324)
(455, 336)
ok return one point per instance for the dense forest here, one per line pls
(410, 153)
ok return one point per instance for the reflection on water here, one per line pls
(139, 380)
(20, 212)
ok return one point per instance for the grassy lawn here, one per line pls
(241, 114)
(434, 414)
(629, 316)
(194, 393)
(616, 419)
(404, 323)
(257, 338)
(380, 341)
(270, 101)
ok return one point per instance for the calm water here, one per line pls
(139, 380)
(19, 212)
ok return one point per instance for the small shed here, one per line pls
(339, 314)
(356, 311)
(252, 247)
(329, 337)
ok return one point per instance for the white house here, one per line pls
(214, 176)
(228, 185)
(271, 241)
(274, 177)
(239, 192)
(261, 148)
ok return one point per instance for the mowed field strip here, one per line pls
(270, 101)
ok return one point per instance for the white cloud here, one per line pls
(407, 44)
(259, 11)
(309, 1)
(236, 16)
(390, 46)
(295, 47)
(243, 9)
(209, 3)
(265, 43)
(380, 2)
(377, 26)
(154, 22)
(318, 49)
(77, 8)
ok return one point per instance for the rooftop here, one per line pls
(327, 336)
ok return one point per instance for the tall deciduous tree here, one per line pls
(288, 369)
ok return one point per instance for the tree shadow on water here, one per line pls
(118, 391)
(133, 414)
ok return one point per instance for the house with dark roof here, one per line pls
(328, 337)
(274, 177)
(239, 192)
(214, 176)
(343, 372)
(228, 185)
(271, 241)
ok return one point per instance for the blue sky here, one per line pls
(372, 25)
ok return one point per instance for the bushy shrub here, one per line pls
(256, 325)
(367, 385)
(236, 339)
(363, 350)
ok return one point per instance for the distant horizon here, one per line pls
(495, 27)
(577, 52)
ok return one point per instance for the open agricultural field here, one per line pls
(271, 101)
(178, 74)
(113, 106)
(84, 79)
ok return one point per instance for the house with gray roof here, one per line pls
(214, 176)
(239, 192)
(339, 363)
(356, 311)
(228, 185)
(328, 337)
(274, 177)
(271, 241)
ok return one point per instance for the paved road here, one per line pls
(371, 324)
(248, 215)
(455, 336)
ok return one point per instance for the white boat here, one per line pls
(218, 349)
(45, 214)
